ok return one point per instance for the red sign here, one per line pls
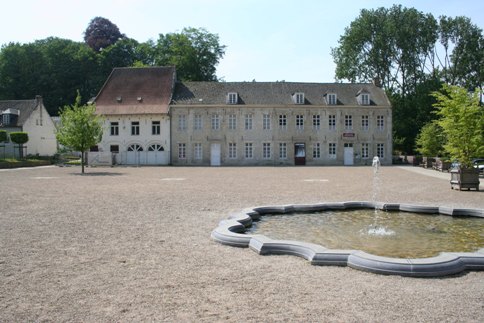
(348, 135)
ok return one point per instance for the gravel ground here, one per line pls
(133, 244)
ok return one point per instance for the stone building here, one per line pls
(152, 119)
(279, 123)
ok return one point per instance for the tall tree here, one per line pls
(194, 52)
(400, 47)
(101, 33)
(461, 118)
(80, 128)
(392, 45)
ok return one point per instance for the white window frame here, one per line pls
(332, 150)
(266, 150)
(316, 150)
(300, 122)
(266, 121)
(365, 150)
(215, 121)
(232, 98)
(155, 127)
(380, 150)
(316, 121)
(298, 98)
(365, 99)
(282, 150)
(232, 153)
(182, 150)
(249, 150)
(248, 121)
(348, 122)
(365, 122)
(197, 122)
(182, 122)
(283, 121)
(332, 122)
(197, 151)
(114, 128)
(380, 122)
(331, 99)
(232, 121)
(135, 128)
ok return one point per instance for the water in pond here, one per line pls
(396, 234)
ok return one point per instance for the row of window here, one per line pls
(249, 123)
(267, 150)
(135, 128)
(215, 122)
(298, 98)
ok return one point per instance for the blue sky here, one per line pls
(267, 40)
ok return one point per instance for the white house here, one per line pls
(28, 116)
(135, 104)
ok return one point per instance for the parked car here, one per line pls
(479, 164)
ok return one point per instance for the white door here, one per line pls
(215, 155)
(348, 156)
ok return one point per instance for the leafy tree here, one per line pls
(194, 52)
(19, 138)
(101, 33)
(463, 45)
(400, 47)
(53, 68)
(461, 118)
(389, 44)
(80, 128)
(3, 135)
(431, 139)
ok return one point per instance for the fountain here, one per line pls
(234, 232)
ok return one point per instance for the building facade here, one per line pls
(279, 123)
(150, 119)
(28, 116)
(134, 103)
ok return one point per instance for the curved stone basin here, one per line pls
(231, 232)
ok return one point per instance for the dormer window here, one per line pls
(139, 99)
(232, 98)
(364, 98)
(119, 99)
(331, 99)
(298, 98)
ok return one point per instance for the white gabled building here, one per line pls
(135, 104)
(28, 116)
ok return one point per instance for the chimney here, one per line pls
(376, 81)
(38, 99)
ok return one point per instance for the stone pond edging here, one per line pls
(231, 232)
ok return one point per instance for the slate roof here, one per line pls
(275, 93)
(26, 107)
(120, 93)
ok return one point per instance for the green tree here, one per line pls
(19, 138)
(392, 45)
(400, 47)
(431, 140)
(80, 128)
(461, 118)
(54, 68)
(101, 33)
(3, 135)
(194, 52)
(463, 44)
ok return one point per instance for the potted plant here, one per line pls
(461, 118)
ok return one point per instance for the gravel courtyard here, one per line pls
(133, 244)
